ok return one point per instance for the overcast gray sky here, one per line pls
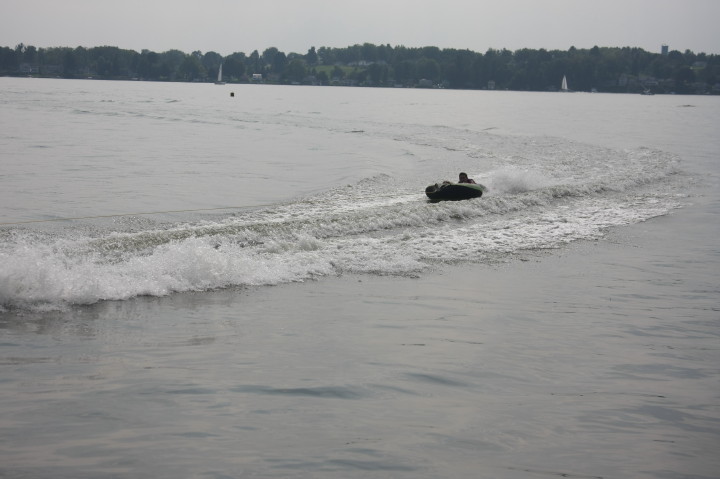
(227, 26)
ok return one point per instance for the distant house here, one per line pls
(257, 77)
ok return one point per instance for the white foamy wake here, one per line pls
(510, 180)
(377, 226)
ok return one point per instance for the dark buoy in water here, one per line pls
(232, 93)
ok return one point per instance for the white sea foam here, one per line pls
(341, 231)
(511, 180)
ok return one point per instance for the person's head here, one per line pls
(463, 176)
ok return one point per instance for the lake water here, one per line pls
(194, 284)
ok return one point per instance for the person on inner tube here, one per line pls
(464, 179)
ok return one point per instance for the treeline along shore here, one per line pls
(601, 69)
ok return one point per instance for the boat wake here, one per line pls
(380, 225)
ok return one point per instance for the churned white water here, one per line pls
(278, 184)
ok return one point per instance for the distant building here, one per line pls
(257, 77)
(664, 50)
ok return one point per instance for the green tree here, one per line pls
(170, 62)
(684, 79)
(405, 72)
(70, 63)
(254, 64)
(433, 53)
(104, 66)
(191, 69)
(149, 65)
(459, 69)
(328, 55)
(278, 62)
(338, 73)
(8, 60)
(348, 55)
(378, 74)
(296, 70)
(268, 56)
(211, 62)
(322, 78)
(385, 53)
(369, 52)
(112, 62)
(429, 69)
(234, 66)
(30, 55)
(312, 57)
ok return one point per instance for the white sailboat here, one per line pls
(220, 80)
(563, 86)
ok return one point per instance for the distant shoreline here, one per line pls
(598, 69)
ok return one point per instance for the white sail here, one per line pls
(564, 86)
(219, 79)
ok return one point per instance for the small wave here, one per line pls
(326, 392)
